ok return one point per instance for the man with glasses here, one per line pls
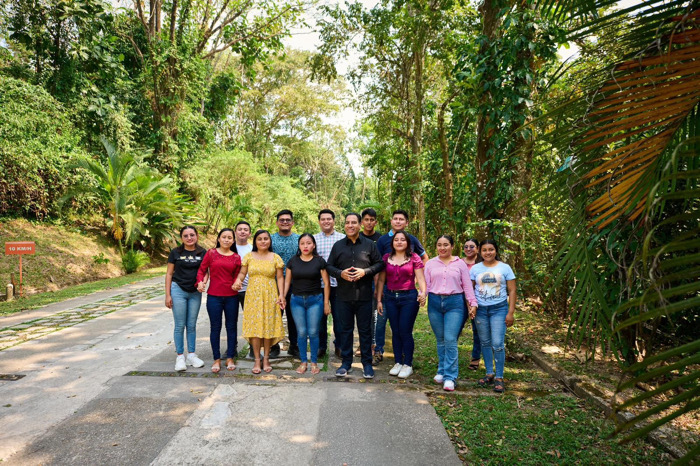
(285, 244)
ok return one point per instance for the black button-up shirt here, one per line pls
(362, 254)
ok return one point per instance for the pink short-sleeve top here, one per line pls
(402, 277)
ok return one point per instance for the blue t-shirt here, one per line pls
(384, 244)
(285, 246)
(490, 282)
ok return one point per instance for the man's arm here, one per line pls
(377, 264)
(331, 266)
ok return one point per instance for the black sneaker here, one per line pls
(294, 352)
(341, 372)
(275, 351)
(368, 372)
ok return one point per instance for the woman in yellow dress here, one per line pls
(262, 321)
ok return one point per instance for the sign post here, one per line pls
(20, 248)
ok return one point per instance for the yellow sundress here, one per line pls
(261, 314)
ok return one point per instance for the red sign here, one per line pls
(19, 247)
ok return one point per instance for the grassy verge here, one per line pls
(42, 299)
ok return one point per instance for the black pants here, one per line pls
(291, 326)
(323, 331)
(347, 312)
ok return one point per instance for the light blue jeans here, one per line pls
(307, 312)
(491, 325)
(446, 315)
(185, 312)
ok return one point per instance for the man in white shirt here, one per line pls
(242, 233)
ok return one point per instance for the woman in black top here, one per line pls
(309, 301)
(182, 297)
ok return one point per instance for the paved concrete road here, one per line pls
(103, 392)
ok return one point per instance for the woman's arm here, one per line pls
(420, 278)
(168, 283)
(287, 282)
(238, 284)
(380, 291)
(326, 292)
(203, 272)
(467, 285)
(280, 287)
(512, 297)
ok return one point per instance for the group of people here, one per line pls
(361, 278)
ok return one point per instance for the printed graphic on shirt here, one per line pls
(489, 285)
(191, 258)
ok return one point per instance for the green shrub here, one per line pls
(132, 260)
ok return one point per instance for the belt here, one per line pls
(400, 291)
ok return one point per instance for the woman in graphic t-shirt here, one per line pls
(182, 297)
(309, 301)
(494, 286)
(403, 268)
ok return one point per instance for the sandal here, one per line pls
(256, 368)
(302, 368)
(266, 365)
(216, 367)
(230, 365)
(499, 386)
(484, 381)
(474, 364)
(314, 369)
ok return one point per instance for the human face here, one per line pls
(470, 249)
(488, 252)
(352, 226)
(398, 222)
(284, 224)
(400, 243)
(263, 242)
(306, 246)
(242, 234)
(327, 223)
(444, 248)
(368, 223)
(189, 238)
(226, 240)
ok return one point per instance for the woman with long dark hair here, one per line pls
(496, 293)
(471, 257)
(182, 296)
(223, 264)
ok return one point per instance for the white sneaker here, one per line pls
(406, 371)
(449, 386)
(194, 361)
(180, 364)
(396, 369)
(439, 378)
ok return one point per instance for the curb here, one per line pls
(586, 390)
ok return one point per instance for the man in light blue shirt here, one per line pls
(286, 244)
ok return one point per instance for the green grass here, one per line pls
(42, 299)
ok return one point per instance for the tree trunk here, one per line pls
(446, 165)
(417, 134)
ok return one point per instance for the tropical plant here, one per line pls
(132, 260)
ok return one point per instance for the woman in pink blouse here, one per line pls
(403, 269)
(448, 282)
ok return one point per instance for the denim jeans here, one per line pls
(446, 315)
(476, 349)
(401, 310)
(218, 306)
(307, 312)
(185, 312)
(323, 330)
(347, 312)
(380, 327)
(491, 325)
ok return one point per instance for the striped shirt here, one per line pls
(324, 244)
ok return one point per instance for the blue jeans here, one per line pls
(185, 312)
(491, 324)
(307, 312)
(380, 327)
(401, 310)
(446, 315)
(476, 349)
(347, 312)
(217, 307)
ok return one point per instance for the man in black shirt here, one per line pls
(354, 261)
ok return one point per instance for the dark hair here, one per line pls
(478, 244)
(326, 211)
(181, 248)
(242, 222)
(369, 211)
(409, 248)
(255, 237)
(400, 212)
(359, 219)
(304, 235)
(492, 243)
(233, 246)
(285, 212)
(448, 238)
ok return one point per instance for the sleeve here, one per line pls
(418, 247)
(290, 264)
(417, 262)
(279, 263)
(472, 274)
(172, 256)
(331, 266)
(428, 276)
(322, 263)
(376, 262)
(509, 274)
(467, 283)
(246, 260)
(385, 257)
(237, 268)
(203, 267)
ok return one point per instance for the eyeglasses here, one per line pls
(470, 246)
(284, 220)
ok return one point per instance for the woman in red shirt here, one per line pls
(223, 264)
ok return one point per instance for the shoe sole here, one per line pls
(367, 376)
